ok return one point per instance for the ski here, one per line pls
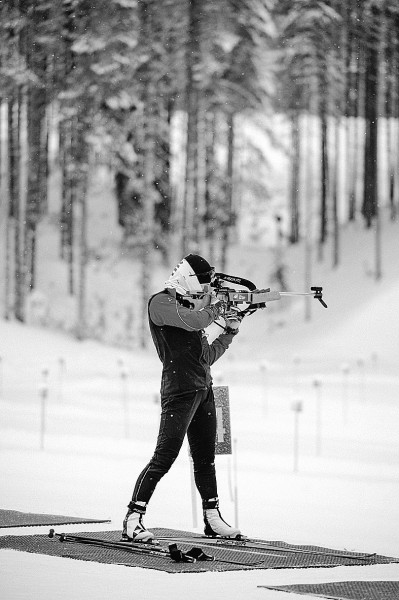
(250, 542)
(199, 554)
(133, 548)
(219, 546)
(153, 549)
(260, 545)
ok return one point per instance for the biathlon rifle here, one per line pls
(252, 297)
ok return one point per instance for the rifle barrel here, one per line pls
(296, 293)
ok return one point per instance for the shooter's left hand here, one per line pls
(232, 323)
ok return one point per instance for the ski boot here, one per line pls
(133, 526)
(214, 524)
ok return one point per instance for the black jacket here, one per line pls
(181, 343)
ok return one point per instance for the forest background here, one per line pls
(186, 125)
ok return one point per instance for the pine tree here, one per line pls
(13, 79)
(96, 64)
(369, 207)
(307, 31)
(38, 44)
(393, 113)
(233, 38)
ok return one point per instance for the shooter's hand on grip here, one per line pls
(232, 324)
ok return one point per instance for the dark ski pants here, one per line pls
(193, 413)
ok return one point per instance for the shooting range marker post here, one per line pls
(223, 437)
(43, 395)
(317, 384)
(223, 424)
(61, 377)
(345, 368)
(297, 408)
(263, 366)
(123, 375)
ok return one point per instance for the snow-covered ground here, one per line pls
(102, 415)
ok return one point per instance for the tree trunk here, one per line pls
(228, 216)
(199, 220)
(148, 220)
(369, 208)
(68, 194)
(381, 114)
(149, 129)
(14, 125)
(1, 139)
(193, 57)
(349, 56)
(81, 327)
(8, 267)
(353, 162)
(162, 181)
(210, 200)
(294, 189)
(81, 171)
(341, 58)
(355, 125)
(324, 183)
(309, 178)
(335, 183)
(8, 225)
(36, 174)
(393, 130)
(81, 311)
(360, 133)
(311, 181)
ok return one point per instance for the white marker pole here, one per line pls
(230, 479)
(125, 401)
(295, 374)
(43, 393)
(265, 382)
(362, 387)
(297, 408)
(62, 368)
(318, 386)
(345, 397)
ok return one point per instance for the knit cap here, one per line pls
(201, 267)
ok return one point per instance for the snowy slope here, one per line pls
(342, 495)
(361, 320)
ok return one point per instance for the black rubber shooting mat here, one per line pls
(14, 518)
(283, 556)
(345, 590)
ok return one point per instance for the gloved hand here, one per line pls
(217, 308)
(232, 323)
(207, 299)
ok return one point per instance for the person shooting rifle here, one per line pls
(178, 316)
(193, 298)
